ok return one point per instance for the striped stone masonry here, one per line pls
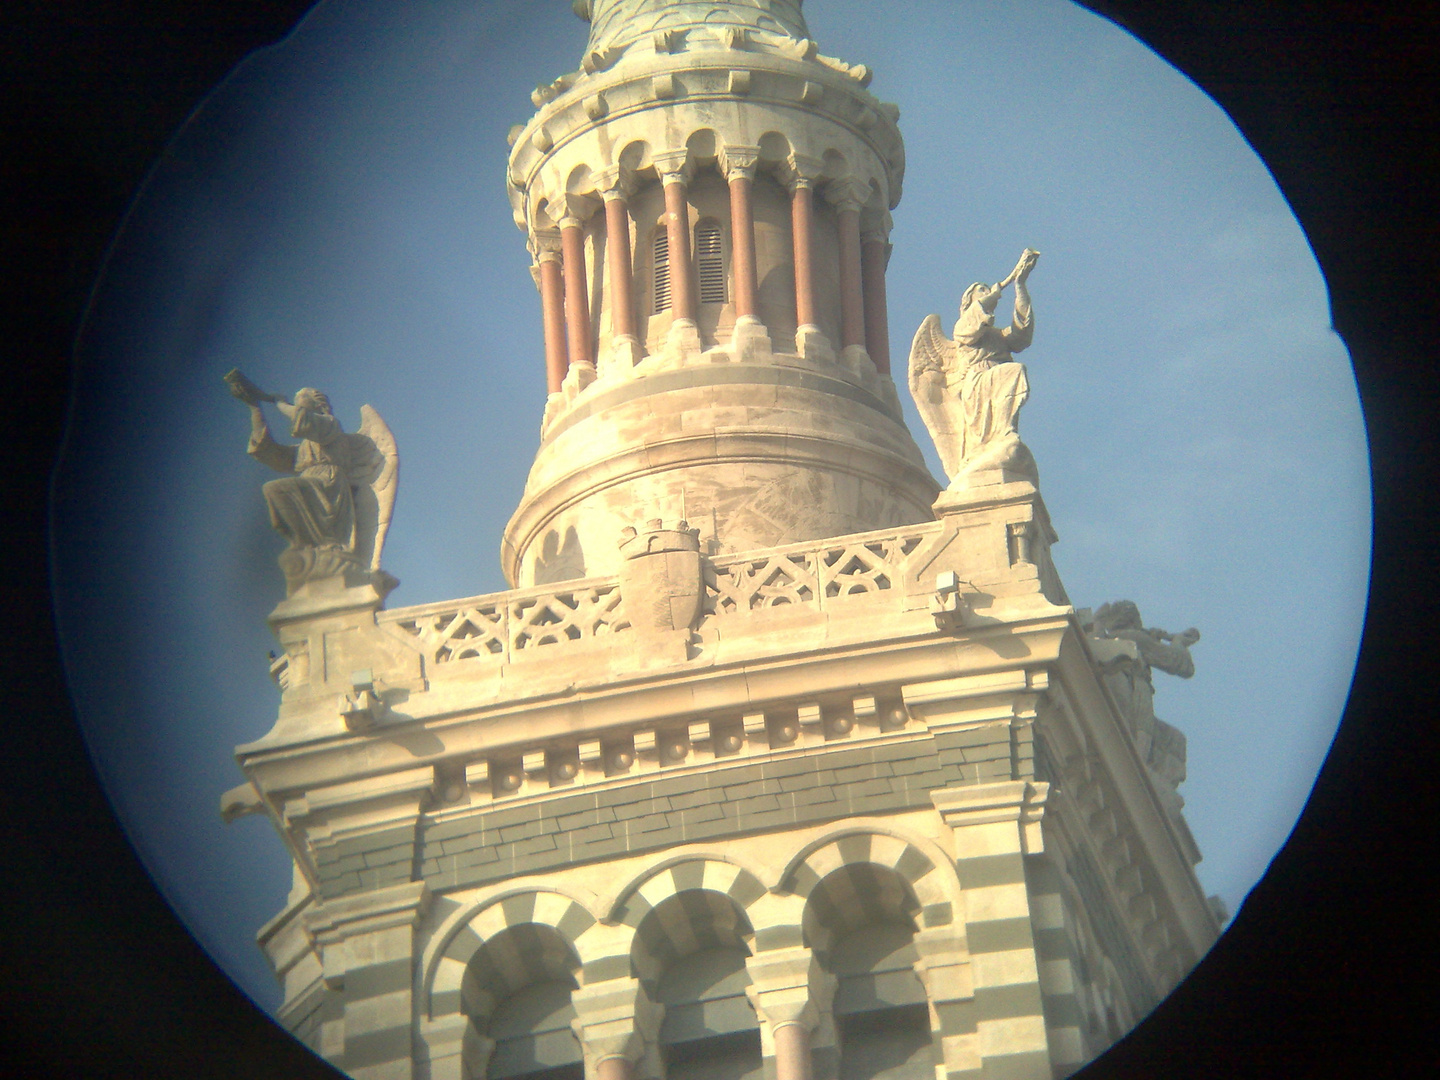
(995, 826)
(367, 948)
(841, 744)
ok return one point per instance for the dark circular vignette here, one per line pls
(1320, 972)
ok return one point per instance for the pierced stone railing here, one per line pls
(811, 574)
(502, 624)
(499, 625)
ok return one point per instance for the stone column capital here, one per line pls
(673, 166)
(789, 987)
(739, 162)
(800, 170)
(850, 193)
(545, 246)
(614, 183)
(575, 210)
(615, 1019)
(875, 226)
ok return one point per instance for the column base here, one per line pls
(813, 345)
(681, 346)
(857, 360)
(885, 385)
(620, 357)
(580, 375)
(750, 341)
(683, 337)
(553, 404)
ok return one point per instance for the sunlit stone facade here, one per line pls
(773, 763)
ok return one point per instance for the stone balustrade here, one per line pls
(499, 625)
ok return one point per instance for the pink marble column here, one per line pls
(615, 1068)
(742, 239)
(552, 307)
(577, 293)
(618, 264)
(677, 228)
(852, 303)
(792, 1052)
(802, 229)
(874, 254)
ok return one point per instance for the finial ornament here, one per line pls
(969, 388)
(335, 502)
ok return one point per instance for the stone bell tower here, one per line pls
(772, 765)
(707, 204)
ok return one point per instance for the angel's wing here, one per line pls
(375, 476)
(932, 358)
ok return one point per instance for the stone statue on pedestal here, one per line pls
(335, 503)
(969, 387)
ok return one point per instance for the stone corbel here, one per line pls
(947, 605)
(599, 60)
(1020, 801)
(544, 94)
(363, 707)
(240, 801)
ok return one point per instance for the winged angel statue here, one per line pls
(969, 388)
(335, 503)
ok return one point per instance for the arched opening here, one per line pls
(865, 915)
(691, 951)
(517, 992)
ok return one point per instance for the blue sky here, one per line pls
(335, 215)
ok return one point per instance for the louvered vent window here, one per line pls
(709, 263)
(662, 270)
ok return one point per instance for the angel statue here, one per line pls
(969, 389)
(335, 503)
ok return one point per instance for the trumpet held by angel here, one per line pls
(969, 388)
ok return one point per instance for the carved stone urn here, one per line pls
(662, 577)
